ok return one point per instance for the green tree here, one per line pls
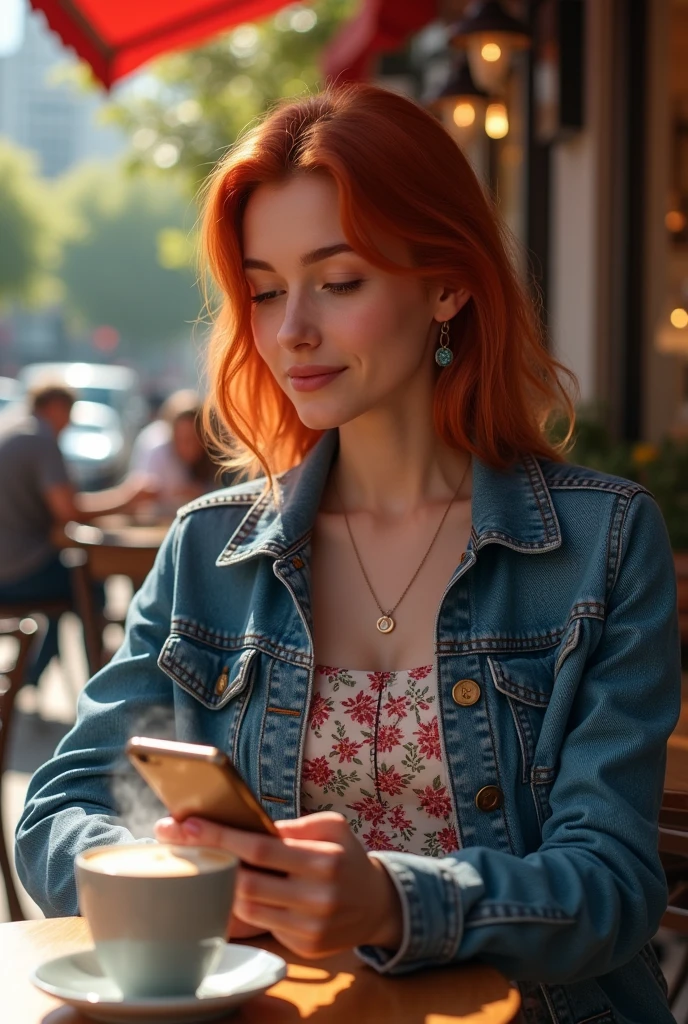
(30, 229)
(121, 265)
(203, 98)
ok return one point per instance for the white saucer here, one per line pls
(78, 979)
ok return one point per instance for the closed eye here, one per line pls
(344, 286)
(263, 297)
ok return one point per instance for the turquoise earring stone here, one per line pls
(443, 356)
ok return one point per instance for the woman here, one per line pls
(445, 660)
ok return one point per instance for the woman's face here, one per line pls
(340, 336)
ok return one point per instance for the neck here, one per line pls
(392, 463)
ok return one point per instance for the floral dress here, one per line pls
(373, 753)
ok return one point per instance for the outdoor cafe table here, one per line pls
(338, 990)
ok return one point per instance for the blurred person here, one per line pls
(170, 452)
(445, 659)
(36, 498)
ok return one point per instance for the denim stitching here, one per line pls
(239, 717)
(502, 809)
(548, 1002)
(601, 1018)
(569, 645)
(232, 643)
(655, 969)
(216, 499)
(453, 934)
(509, 687)
(262, 728)
(190, 680)
(541, 642)
(541, 776)
(614, 544)
(540, 491)
(525, 729)
(587, 483)
(486, 914)
(524, 546)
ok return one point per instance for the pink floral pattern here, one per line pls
(373, 753)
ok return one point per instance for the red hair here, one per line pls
(399, 172)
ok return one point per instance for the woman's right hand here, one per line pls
(238, 929)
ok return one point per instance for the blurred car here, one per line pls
(11, 392)
(115, 386)
(93, 446)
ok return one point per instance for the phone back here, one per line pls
(204, 789)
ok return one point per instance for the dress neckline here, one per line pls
(332, 669)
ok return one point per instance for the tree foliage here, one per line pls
(202, 99)
(117, 268)
(30, 229)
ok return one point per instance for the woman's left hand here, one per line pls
(330, 894)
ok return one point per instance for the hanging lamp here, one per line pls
(489, 35)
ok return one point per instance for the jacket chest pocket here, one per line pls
(527, 682)
(217, 679)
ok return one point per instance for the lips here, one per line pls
(313, 370)
(312, 377)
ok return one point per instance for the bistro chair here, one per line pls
(673, 851)
(94, 557)
(18, 622)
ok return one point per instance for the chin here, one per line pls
(324, 418)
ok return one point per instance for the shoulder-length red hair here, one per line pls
(399, 172)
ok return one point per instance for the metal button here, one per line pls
(489, 798)
(222, 682)
(297, 562)
(466, 692)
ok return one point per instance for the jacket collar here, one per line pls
(512, 508)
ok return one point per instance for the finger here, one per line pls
(306, 936)
(321, 825)
(167, 830)
(307, 858)
(269, 919)
(308, 895)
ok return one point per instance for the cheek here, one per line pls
(392, 322)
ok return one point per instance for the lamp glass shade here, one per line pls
(497, 121)
(488, 59)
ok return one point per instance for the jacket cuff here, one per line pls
(432, 914)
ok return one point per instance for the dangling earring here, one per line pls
(444, 355)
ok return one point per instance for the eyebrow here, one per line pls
(315, 256)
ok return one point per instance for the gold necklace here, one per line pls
(386, 623)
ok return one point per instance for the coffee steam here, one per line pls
(137, 806)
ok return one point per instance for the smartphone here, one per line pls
(193, 779)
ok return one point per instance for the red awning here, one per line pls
(381, 26)
(116, 36)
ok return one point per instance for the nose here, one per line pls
(298, 329)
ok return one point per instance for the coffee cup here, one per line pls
(158, 913)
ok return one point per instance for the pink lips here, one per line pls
(312, 378)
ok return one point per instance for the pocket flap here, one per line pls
(212, 676)
(530, 677)
(527, 678)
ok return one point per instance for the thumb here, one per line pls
(327, 826)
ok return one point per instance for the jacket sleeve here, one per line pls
(87, 794)
(594, 892)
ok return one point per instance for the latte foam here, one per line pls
(157, 860)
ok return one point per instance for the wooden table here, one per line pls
(339, 990)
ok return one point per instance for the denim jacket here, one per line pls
(563, 611)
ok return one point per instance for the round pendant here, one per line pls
(385, 624)
(443, 356)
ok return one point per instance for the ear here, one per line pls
(450, 302)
